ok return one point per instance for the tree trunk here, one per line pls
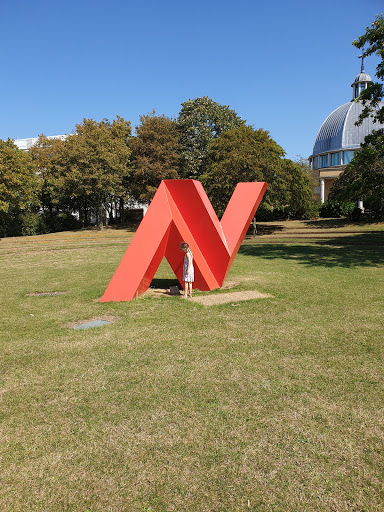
(121, 210)
(101, 216)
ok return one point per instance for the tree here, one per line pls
(363, 177)
(293, 190)
(239, 155)
(94, 167)
(19, 185)
(201, 120)
(245, 155)
(313, 174)
(45, 154)
(372, 96)
(19, 188)
(155, 155)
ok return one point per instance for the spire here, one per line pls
(362, 80)
(362, 62)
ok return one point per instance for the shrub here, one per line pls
(30, 224)
(19, 223)
(59, 222)
(336, 209)
(311, 211)
(34, 223)
(266, 212)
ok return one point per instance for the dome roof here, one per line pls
(362, 77)
(338, 131)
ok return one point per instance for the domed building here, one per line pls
(339, 137)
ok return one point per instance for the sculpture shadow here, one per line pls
(350, 251)
(164, 283)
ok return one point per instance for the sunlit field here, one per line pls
(273, 404)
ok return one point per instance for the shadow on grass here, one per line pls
(268, 229)
(350, 251)
(130, 226)
(334, 223)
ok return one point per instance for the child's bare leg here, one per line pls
(185, 289)
(190, 289)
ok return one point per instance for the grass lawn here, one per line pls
(274, 404)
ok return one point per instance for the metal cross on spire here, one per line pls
(362, 62)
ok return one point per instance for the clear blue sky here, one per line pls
(281, 65)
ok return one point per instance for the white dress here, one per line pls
(190, 276)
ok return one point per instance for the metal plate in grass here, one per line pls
(44, 294)
(92, 322)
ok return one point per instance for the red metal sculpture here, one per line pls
(181, 211)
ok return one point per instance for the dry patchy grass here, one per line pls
(273, 405)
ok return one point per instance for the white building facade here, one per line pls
(25, 144)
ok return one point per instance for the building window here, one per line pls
(323, 161)
(316, 162)
(335, 158)
(347, 157)
(359, 88)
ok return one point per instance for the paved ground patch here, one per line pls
(223, 298)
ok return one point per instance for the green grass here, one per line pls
(263, 405)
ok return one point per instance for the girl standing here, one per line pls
(188, 270)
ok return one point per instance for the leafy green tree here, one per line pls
(94, 166)
(45, 154)
(363, 178)
(293, 190)
(19, 185)
(239, 155)
(155, 155)
(372, 96)
(202, 120)
(313, 174)
(245, 155)
(19, 188)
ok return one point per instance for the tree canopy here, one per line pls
(244, 154)
(363, 178)
(19, 184)
(101, 169)
(200, 121)
(372, 96)
(19, 191)
(155, 155)
(292, 190)
(94, 165)
(45, 156)
(238, 155)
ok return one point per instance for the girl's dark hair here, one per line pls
(184, 245)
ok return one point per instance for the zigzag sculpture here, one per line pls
(181, 211)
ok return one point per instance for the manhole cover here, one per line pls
(92, 323)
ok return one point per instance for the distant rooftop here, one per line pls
(362, 77)
(339, 131)
(26, 144)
